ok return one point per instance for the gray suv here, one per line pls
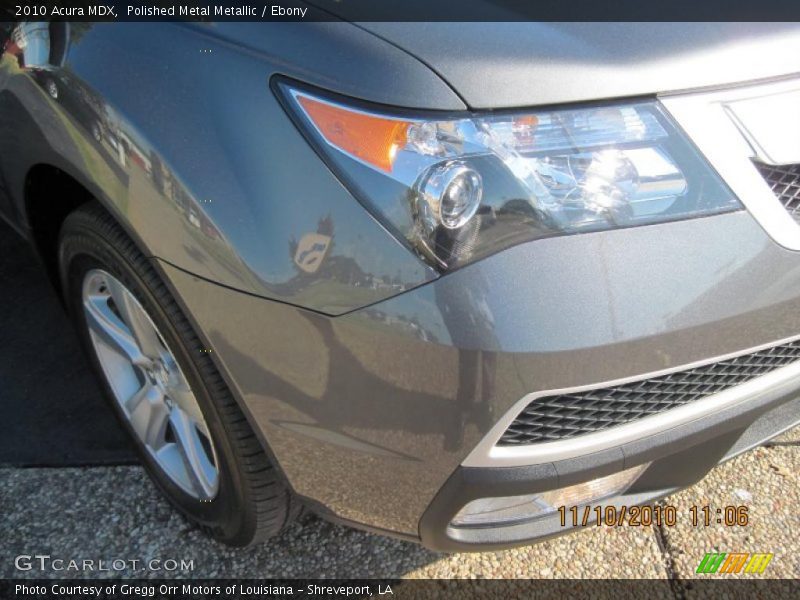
(451, 282)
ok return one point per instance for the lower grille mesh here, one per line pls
(552, 418)
(785, 183)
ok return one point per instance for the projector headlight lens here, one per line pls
(457, 188)
(449, 196)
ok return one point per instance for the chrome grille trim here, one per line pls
(710, 119)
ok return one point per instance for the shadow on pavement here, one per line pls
(54, 411)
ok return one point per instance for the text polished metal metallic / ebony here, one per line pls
(429, 279)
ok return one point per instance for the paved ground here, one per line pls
(768, 482)
(113, 512)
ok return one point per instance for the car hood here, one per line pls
(497, 65)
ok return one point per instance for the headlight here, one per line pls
(460, 187)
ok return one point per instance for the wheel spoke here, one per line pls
(140, 325)
(202, 473)
(149, 416)
(147, 393)
(108, 327)
(181, 394)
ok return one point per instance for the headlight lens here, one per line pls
(458, 188)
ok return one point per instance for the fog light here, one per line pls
(507, 510)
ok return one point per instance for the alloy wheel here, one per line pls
(149, 386)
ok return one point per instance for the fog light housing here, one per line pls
(510, 510)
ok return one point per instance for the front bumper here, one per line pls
(679, 456)
(371, 414)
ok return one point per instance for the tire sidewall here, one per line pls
(81, 250)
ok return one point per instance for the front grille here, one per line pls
(785, 183)
(553, 418)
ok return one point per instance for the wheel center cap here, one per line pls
(159, 376)
(162, 377)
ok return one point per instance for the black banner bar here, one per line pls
(323, 589)
(406, 10)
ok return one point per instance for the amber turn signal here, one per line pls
(374, 140)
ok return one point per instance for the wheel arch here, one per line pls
(43, 217)
(51, 193)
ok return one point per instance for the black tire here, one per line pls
(253, 502)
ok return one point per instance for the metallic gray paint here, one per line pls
(368, 413)
(201, 187)
(343, 58)
(498, 65)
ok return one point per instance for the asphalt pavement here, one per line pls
(54, 412)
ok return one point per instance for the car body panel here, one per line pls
(369, 413)
(340, 57)
(369, 377)
(189, 166)
(528, 64)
